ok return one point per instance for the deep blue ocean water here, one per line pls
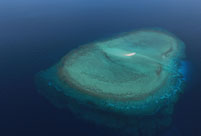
(35, 34)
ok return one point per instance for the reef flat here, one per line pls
(120, 81)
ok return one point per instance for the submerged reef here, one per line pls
(129, 82)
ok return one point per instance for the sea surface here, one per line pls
(35, 34)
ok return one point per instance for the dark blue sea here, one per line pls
(35, 34)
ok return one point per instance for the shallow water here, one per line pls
(36, 34)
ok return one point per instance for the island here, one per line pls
(130, 81)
